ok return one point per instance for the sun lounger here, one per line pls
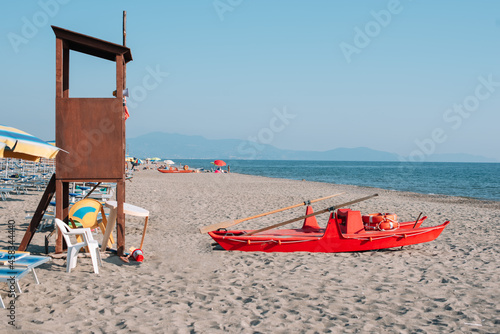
(47, 219)
(31, 262)
(17, 186)
(20, 188)
(6, 275)
(5, 191)
(22, 263)
(5, 257)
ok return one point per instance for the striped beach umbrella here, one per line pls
(15, 143)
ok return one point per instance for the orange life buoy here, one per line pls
(388, 225)
(381, 221)
(186, 167)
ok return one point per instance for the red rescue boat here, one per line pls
(345, 232)
(177, 170)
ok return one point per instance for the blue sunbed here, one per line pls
(22, 265)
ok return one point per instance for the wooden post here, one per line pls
(59, 214)
(120, 218)
(60, 61)
(62, 209)
(120, 185)
(59, 68)
(65, 73)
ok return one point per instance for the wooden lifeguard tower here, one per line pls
(92, 130)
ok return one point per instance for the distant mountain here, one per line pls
(177, 146)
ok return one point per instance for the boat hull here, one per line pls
(334, 239)
(168, 171)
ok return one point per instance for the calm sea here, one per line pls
(476, 180)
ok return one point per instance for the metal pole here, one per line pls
(124, 44)
(124, 28)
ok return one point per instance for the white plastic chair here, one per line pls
(74, 249)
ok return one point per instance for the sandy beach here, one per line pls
(184, 286)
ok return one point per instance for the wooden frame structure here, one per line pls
(92, 130)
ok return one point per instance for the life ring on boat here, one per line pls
(186, 167)
(375, 218)
(387, 225)
(380, 221)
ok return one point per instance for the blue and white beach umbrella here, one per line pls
(15, 143)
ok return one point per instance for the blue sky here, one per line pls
(409, 77)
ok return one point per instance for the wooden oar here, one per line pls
(229, 223)
(311, 215)
(416, 221)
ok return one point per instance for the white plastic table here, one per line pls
(128, 209)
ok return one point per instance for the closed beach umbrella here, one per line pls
(219, 163)
(21, 145)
